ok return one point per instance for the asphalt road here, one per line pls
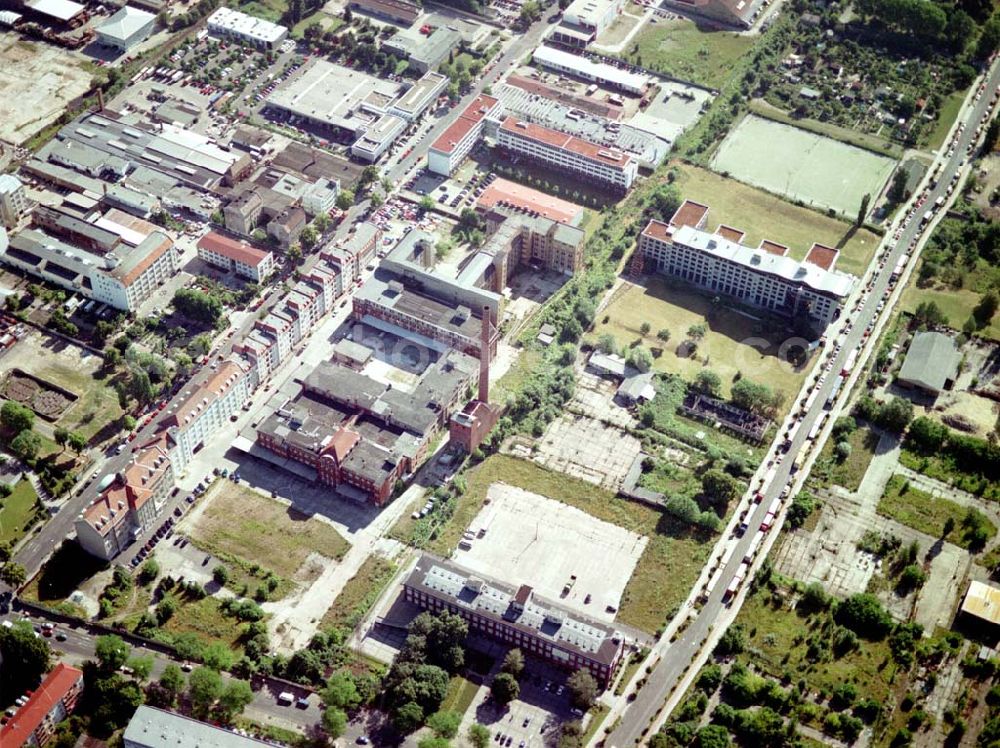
(676, 657)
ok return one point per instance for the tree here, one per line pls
(531, 11)
(582, 689)
(864, 615)
(663, 201)
(697, 332)
(720, 488)
(308, 237)
(644, 328)
(663, 335)
(711, 736)
(149, 571)
(235, 697)
(426, 203)
(172, 682)
(408, 717)
(842, 450)
(16, 418)
(513, 663)
(863, 208)
(221, 575)
(479, 735)
(198, 306)
(77, 442)
(606, 343)
(345, 199)
(986, 308)
(814, 597)
(926, 435)
(20, 645)
(334, 722)
(640, 358)
(445, 724)
(61, 436)
(141, 666)
(708, 381)
(911, 578)
(505, 689)
(13, 574)
(929, 314)
(341, 691)
(897, 190)
(111, 701)
(204, 688)
(111, 652)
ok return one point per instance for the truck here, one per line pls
(736, 582)
(768, 477)
(753, 547)
(800, 459)
(285, 698)
(832, 399)
(927, 217)
(765, 525)
(713, 582)
(852, 358)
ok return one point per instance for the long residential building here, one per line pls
(763, 277)
(123, 278)
(516, 617)
(33, 724)
(566, 153)
(127, 503)
(457, 141)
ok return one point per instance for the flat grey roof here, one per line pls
(156, 728)
(931, 361)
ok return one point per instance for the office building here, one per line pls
(128, 503)
(246, 29)
(243, 214)
(126, 28)
(34, 723)
(456, 142)
(14, 203)
(736, 13)
(378, 138)
(424, 52)
(516, 617)
(584, 20)
(502, 193)
(156, 728)
(587, 161)
(320, 196)
(586, 69)
(412, 104)
(400, 12)
(123, 278)
(239, 257)
(763, 277)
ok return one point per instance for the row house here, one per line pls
(34, 723)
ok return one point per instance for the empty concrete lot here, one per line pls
(587, 449)
(533, 540)
(38, 81)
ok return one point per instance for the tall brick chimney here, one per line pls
(484, 357)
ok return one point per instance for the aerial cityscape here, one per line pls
(563, 373)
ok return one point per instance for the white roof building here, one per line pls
(597, 72)
(256, 31)
(126, 28)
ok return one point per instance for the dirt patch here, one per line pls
(46, 399)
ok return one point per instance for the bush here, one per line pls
(865, 616)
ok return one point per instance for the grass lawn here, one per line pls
(17, 512)
(326, 22)
(665, 305)
(461, 692)
(240, 523)
(765, 216)
(360, 593)
(849, 472)
(956, 304)
(682, 50)
(597, 715)
(946, 118)
(205, 618)
(925, 513)
(665, 572)
(779, 640)
(269, 10)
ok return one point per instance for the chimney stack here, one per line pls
(484, 357)
(100, 100)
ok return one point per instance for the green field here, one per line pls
(955, 303)
(682, 50)
(205, 618)
(360, 593)
(242, 524)
(670, 306)
(925, 513)
(816, 170)
(666, 571)
(849, 472)
(17, 512)
(765, 216)
(461, 692)
(946, 118)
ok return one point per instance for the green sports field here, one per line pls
(801, 165)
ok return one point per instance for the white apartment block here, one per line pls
(232, 24)
(13, 200)
(206, 409)
(239, 257)
(455, 143)
(568, 154)
(762, 277)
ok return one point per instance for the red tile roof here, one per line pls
(728, 232)
(774, 248)
(341, 444)
(689, 214)
(54, 688)
(472, 116)
(571, 143)
(823, 256)
(234, 250)
(518, 196)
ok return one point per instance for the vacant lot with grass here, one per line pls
(801, 165)
(780, 638)
(847, 473)
(96, 409)
(955, 303)
(666, 570)
(926, 513)
(239, 523)
(17, 512)
(763, 215)
(734, 342)
(682, 50)
(360, 593)
(943, 468)
(205, 618)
